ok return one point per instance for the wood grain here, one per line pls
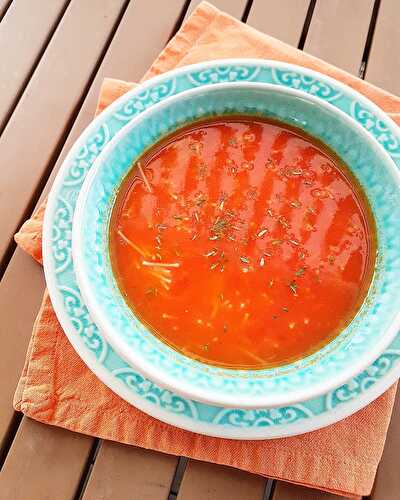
(289, 491)
(383, 67)
(21, 292)
(38, 123)
(123, 472)
(282, 19)
(121, 61)
(205, 481)
(140, 38)
(235, 8)
(338, 32)
(387, 482)
(23, 34)
(44, 463)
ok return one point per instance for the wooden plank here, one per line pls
(38, 124)
(387, 482)
(383, 63)
(135, 30)
(39, 452)
(207, 481)
(282, 19)
(23, 33)
(124, 472)
(140, 29)
(338, 32)
(23, 278)
(289, 491)
(235, 8)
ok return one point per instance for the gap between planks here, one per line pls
(24, 49)
(35, 165)
(368, 42)
(4, 6)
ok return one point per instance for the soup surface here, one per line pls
(242, 243)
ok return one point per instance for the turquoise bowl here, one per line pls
(374, 326)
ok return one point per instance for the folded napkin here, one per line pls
(57, 388)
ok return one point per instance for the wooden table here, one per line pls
(54, 55)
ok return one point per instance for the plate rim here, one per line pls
(314, 422)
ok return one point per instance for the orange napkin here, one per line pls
(57, 388)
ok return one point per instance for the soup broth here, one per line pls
(242, 242)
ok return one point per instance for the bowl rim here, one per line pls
(52, 197)
(162, 377)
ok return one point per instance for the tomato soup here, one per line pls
(242, 243)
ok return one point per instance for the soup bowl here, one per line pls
(376, 322)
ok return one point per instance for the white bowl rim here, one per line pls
(149, 370)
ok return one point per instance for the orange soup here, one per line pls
(242, 243)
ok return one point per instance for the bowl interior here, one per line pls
(375, 323)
